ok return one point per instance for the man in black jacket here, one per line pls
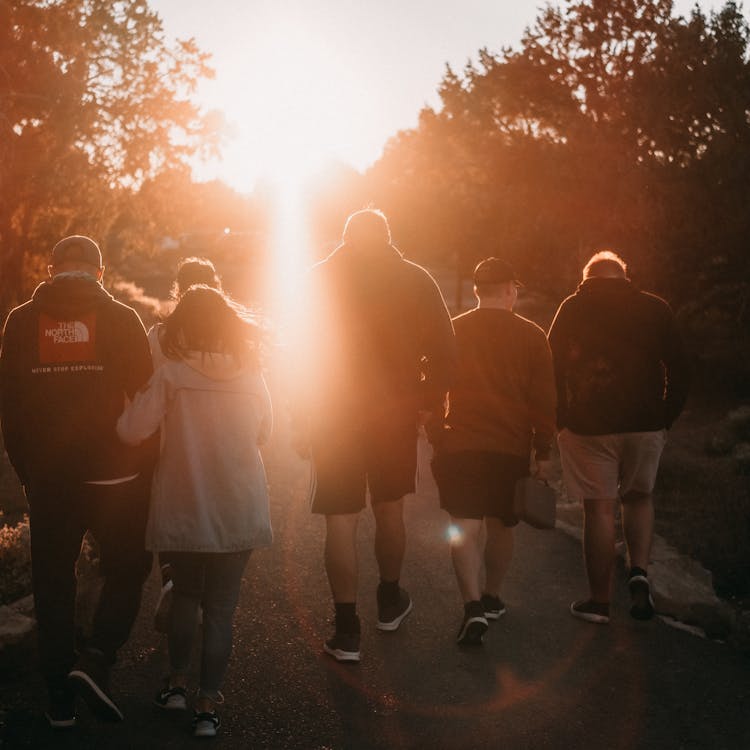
(622, 380)
(376, 356)
(71, 356)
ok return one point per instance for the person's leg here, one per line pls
(498, 554)
(340, 556)
(220, 596)
(466, 556)
(117, 519)
(638, 528)
(390, 538)
(599, 547)
(56, 535)
(188, 576)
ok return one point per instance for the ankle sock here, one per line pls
(474, 608)
(388, 590)
(346, 617)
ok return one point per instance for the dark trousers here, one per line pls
(60, 515)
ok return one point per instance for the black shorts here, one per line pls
(346, 463)
(475, 484)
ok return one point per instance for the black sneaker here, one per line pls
(89, 678)
(172, 698)
(392, 613)
(640, 594)
(590, 611)
(494, 607)
(474, 625)
(205, 723)
(61, 713)
(343, 647)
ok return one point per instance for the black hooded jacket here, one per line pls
(379, 342)
(620, 363)
(70, 356)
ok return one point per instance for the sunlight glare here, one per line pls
(454, 534)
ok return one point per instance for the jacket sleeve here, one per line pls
(438, 349)
(677, 371)
(11, 400)
(558, 340)
(266, 421)
(542, 396)
(143, 415)
(140, 364)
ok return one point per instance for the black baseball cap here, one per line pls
(77, 249)
(494, 271)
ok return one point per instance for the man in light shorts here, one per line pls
(622, 379)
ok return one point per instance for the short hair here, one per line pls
(194, 270)
(367, 227)
(605, 264)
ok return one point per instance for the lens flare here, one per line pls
(454, 534)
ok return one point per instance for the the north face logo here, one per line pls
(67, 340)
(69, 332)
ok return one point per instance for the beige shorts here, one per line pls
(599, 467)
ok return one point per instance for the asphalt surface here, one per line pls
(542, 679)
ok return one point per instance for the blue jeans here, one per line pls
(210, 580)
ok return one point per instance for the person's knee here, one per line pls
(389, 515)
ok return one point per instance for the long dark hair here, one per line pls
(206, 320)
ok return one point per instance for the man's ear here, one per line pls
(50, 270)
(100, 273)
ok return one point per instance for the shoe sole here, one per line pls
(494, 614)
(393, 624)
(172, 705)
(590, 616)
(61, 723)
(207, 731)
(340, 655)
(96, 699)
(472, 632)
(643, 603)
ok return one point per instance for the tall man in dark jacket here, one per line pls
(622, 380)
(377, 352)
(71, 355)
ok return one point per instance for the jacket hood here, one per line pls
(215, 365)
(370, 254)
(605, 287)
(68, 295)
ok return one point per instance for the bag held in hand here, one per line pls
(535, 503)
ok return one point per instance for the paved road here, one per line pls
(542, 679)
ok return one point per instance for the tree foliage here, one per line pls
(613, 123)
(93, 101)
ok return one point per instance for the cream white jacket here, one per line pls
(209, 491)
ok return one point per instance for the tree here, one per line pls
(614, 123)
(93, 102)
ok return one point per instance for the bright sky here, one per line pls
(305, 81)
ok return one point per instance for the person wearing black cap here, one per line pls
(622, 379)
(376, 352)
(70, 358)
(501, 408)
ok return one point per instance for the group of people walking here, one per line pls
(151, 442)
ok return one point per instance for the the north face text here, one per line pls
(67, 340)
